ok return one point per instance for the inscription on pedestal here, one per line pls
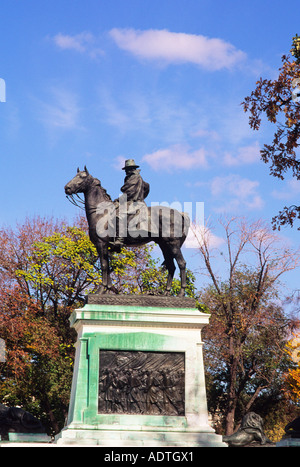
(150, 383)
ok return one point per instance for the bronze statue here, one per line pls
(134, 190)
(139, 224)
(250, 432)
(134, 186)
(292, 429)
(17, 420)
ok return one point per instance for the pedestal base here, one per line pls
(288, 443)
(141, 438)
(138, 375)
(29, 438)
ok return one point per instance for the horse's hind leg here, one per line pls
(182, 267)
(169, 263)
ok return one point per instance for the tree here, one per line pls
(60, 268)
(46, 269)
(245, 318)
(293, 377)
(16, 246)
(47, 266)
(278, 100)
(136, 271)
(30, 340)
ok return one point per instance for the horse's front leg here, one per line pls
(109, 285)
(183, 283)
(103, 256)
(106, 285)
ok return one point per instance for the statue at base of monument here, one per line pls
(250, 432)
(17, 420)
(292, 429)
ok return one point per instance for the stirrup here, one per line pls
(118, 241)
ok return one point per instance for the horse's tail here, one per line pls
(186, 225)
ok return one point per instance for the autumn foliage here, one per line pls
(48, 266)
(245, 355)
(277, 101)
(293, 376)
(27, 334)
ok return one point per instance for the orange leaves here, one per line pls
(26, 334)
(293, 381)
(293, 377)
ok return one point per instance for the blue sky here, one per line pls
(98, 81)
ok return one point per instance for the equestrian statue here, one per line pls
(127, 221)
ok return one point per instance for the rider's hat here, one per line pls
(130, 164)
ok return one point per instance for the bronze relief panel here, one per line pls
(148, 383)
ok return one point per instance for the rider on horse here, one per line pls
(134, 190)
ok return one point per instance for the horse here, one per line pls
(166, 226)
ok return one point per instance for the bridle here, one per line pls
(79, 202)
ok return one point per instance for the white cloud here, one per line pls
(207, 134)
(198, 234)
(84, 42)
(178, 156)
(245, 155)
(171, 47)
(239, 193)
(62, 110)
(153, 114)
(78, 42)
(115, 113)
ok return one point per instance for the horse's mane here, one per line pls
(105, 194)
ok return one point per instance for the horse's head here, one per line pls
(79, 183)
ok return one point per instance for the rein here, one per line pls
(79, 202)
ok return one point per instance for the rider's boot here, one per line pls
(119, 241)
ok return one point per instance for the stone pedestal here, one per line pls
(138, 376)
(288, 442)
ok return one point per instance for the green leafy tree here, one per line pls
(61, 268)
(137, 271)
